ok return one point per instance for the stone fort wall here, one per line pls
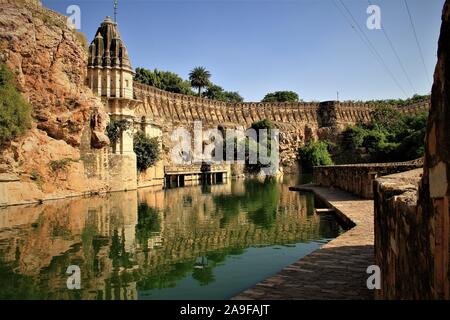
(298, 122)
(162, 106)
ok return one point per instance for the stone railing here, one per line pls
(358, 178)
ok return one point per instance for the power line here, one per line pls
(417, 40)
(370, 46)
(396, 54)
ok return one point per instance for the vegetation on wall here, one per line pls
(115, 129)
(15, 112)
(147, 150)
(391, 136)
(281, 96)
(315, 153)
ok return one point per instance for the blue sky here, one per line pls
(260, 46)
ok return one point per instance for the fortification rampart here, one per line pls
(162, 106)
(298, 122)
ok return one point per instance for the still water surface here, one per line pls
(198, 242)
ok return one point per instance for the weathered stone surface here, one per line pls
(298, 122)
(99, 121)
(412, 214)
(434, 195)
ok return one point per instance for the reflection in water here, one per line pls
(195, 242)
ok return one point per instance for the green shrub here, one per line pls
(281, 96)
(147, 150)
(314, 154)
(389, 137)
(115, 128)
(15, 112)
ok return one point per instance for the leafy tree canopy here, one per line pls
(215, 92)
(281, 96)
(389, 137)
(314, 154)
(147, 150)
(164, 80)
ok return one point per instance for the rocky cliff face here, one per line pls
(49, 62)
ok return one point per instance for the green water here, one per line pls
(198, 242)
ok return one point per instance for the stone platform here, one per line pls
(335, 271)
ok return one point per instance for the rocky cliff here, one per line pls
(49, 62)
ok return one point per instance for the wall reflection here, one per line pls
(150, 239)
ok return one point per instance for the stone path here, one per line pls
(335, 271)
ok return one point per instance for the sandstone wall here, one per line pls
(358, 178)
(298, 122)
(402, 247)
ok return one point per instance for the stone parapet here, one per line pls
(403, 241)
(358, 178)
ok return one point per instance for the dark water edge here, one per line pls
(197, 242)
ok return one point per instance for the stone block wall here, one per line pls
(298, 122)
(403, 239)
(358, 178)
(412, 212)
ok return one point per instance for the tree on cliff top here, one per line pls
(15, 112)
(199, 78)
(281, 96)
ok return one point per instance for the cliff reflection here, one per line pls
(129, 244)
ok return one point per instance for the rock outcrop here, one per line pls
(49, 63)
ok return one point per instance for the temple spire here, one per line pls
(115, 10)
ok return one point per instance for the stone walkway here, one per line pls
(335, 271)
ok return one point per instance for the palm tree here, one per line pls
(199, 78)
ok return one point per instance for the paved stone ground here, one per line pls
(335, 271)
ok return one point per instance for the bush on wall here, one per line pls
(147, 150)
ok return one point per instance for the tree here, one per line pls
(163, 80)
(390, 136)
(314, 154)
(147, 150)
(15, 112)
(281, 96)
(215, 92)
(199, 78)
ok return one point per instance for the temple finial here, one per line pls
(115, 10)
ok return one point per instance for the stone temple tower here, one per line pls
(109, 68)
(110, 76)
